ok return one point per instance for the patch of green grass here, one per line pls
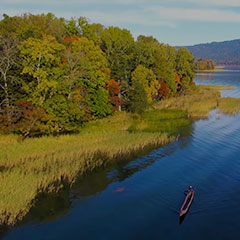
(164, 114)
(162, 121)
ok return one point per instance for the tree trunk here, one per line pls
(7, 103)
(119, 107)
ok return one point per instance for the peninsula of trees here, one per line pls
(204, 64)
(57, 74)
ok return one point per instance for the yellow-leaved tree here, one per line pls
(41, 60)
(148, 80)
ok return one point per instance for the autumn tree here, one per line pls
(114, 90)
(163, 91)
(147, 79)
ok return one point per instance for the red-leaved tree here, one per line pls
(163, 91)
(114, 90)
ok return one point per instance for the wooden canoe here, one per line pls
(187, 203)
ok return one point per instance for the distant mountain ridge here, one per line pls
(226, 53)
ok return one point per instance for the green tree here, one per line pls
(158, 57)
(71, 28)
(204, 64)
(41, 59)
(68, 116)
(91, 31)
(138, 100)
(145, 51)
(164, 66)
(118, 45)
(29, 25)
(184, 67)
(19, 27)
(87, 70)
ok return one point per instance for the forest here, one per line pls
(57, 74)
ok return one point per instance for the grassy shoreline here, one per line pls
(212, 70)
(229, 105)
(197, 105)
(42, 164)
(219, 87)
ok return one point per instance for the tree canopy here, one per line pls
(57, 74)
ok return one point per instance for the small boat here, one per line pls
(187, 203)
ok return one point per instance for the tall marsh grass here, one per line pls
(43, 164)
(197, 105)
(229, 105)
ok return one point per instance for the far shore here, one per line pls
(218, 68)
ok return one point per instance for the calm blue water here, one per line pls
(141, 199)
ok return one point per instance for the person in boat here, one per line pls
(190, 190)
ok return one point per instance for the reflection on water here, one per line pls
(205, 76)
(141, 199)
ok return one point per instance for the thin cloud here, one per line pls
(209, 15)
(230, 3)
(145, 15)
(69, 2)
(130, 17)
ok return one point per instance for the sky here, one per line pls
(175, 22)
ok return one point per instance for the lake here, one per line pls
(141, 199)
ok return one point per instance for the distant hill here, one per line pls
(227, 52)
